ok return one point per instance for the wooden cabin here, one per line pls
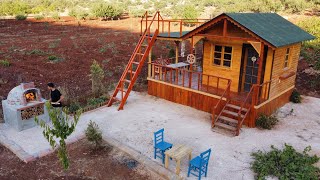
(246, 65)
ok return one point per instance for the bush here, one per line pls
(295, 96)
(94, 134)
(5, 63)
(312, 26)
(97, 76)
(74, 107)
(55, 59)
(105, 11)
(285, 164)
(21, 17)
(56, 16)
(39, 17)
(96, 101)
(266, 122)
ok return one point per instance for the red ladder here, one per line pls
(134, 66)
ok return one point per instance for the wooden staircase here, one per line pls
(233, 114)
(134, 67)
(230, 118)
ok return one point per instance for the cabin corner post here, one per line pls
(177, 43)
(261, 59)
(149, 62)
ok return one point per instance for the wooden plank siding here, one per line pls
(279, 84)
(233, 72)
(182, 96)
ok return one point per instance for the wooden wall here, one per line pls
(182, 96)
(281, 79)
(233, 72)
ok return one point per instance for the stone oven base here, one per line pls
(23, 118)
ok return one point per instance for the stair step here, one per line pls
(129, 71)
(236, 107)
(225, 126)
(134, 62)
(141, 54)
(124, 90)
(144, 45)
(126, 80)
(224, 118)
(232, 113)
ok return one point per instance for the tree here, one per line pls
(97, 76)
(105, 11)
(62, 127)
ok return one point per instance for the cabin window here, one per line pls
(286, 58)
(222, 56)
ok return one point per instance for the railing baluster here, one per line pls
(177, 76)
(183, 72)
(198, 81)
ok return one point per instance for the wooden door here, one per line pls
(250, 69)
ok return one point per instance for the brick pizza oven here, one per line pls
(23, 103)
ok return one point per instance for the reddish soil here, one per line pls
(77, 43)
(85, 163)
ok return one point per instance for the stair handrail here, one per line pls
(226, 92)
(240, 121)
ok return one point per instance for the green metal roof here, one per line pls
(272, 28)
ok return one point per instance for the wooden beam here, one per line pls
(261, 59)
(224, 33)
(177, 51)
(150, 60)
(228, 37)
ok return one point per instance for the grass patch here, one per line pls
(39, 17)
(5, 63)
(37, 52)
(285, 164)
(55, 59)
(96, 101)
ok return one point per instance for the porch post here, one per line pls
(149, 61)
(177, 51)
(261, 58)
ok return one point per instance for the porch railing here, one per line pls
(190, 79)
(171, 25)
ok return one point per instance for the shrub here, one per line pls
(94, 134)
(311, 25)
(96, 101)
(105, 11)
(39, 17)
(74, 107)
(190, 12)
(97, 76)
(21, 17)
(295, 96)
(37, 52)
(62, 127)
(5, 63)
(52, 57)
(56, 16)
(285, 164)
(266, 122)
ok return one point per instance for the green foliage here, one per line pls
(172, 53)
(39, 17)
(295, 6)
(189, 12)
(80, 14)
(104, 10)
(5, 63)
(96, 101)
(74, 107)
(56, 16)
(285, 164)
(21, 17)
(62, 127)
(38, 52)
(55, 59)
(266, 122)
(94, 134)
(311, 25)
(96, 77)
(295, 96)
(9, 7)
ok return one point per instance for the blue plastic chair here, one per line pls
(160, 146)
(199, 165)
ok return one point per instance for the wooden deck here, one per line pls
(196, 81)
